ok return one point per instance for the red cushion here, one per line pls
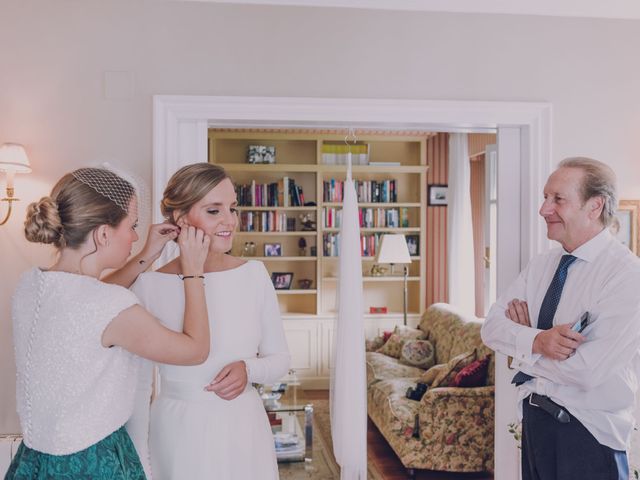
(386, 335)
(473, 375)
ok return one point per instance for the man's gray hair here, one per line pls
(599, 181)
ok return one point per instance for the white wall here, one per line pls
(54, 53)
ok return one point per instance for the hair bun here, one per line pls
(43, 223)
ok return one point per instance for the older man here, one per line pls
(576, 391)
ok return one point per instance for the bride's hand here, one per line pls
(230, 382)
(194, 247)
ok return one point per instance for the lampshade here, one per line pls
(393, 249)
(13, 158)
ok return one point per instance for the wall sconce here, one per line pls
(13, 159)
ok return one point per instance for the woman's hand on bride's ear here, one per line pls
(230, 382)
(159, 235)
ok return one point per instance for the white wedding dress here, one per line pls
(194, 434)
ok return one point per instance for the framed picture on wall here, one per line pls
(626, 224)
(437, 195)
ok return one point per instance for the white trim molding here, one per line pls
(180, 132)
(623, 9)
(180, 126)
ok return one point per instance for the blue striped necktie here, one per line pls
(549, 305)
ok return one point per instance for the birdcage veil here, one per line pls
(119, 187)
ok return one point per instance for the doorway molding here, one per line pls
(180, 125)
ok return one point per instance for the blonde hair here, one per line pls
(73, 210)
(188, 186)
(599, 181)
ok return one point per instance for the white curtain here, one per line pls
(460, 253)
(348, 377)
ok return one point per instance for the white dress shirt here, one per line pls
(598, 383)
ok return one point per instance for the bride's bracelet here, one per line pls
(185, 277)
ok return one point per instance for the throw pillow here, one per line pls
(418, 353)
(386, 335)
(474, 374)
(430, 375)
(457, 363)
(393, 346)
(409, 333)
(373, 344)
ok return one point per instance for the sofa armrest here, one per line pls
(439, 393)
(457, 424)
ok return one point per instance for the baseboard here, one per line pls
(8, 447)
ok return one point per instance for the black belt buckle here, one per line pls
(552, 408)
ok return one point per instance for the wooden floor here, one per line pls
(385, 459)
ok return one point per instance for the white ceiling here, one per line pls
(629, 9)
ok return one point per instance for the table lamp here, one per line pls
(394, 249)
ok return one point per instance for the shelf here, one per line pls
(375, 204)
(390, 169)
(389, 278)
(312, 168)
(284, 259)
(379, 230)
(276, 234)
(274, 167)
(270, 209)
(297, 292)
(367, 259)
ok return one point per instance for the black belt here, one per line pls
(549, 406)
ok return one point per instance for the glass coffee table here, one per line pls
(291, 421)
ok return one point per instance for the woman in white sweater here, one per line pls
(78, 341)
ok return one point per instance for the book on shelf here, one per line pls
(373, 191)
(369, 217)
(338, 154)
(283, 193)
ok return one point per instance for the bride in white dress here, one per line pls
(208, 422)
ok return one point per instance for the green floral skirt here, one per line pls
(113, 457)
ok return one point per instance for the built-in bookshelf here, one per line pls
(293, 208)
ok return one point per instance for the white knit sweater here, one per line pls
(71, 391)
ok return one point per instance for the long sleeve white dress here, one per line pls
(193, 433)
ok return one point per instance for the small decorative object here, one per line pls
(377, 270)
(377, 309)
(272, 250)
(302, 247)
(313, 251)
(282, 280)
(307, 223)
(249, 249)
(261, 154)
(626, 224)
(438, 195)
(291, 224)
(305, 283)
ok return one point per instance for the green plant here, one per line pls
(515, 429)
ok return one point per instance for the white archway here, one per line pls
(180, 126)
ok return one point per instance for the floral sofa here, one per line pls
(450, 428)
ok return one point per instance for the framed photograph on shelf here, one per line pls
(437, 195)
(261, 154)
(272, 250)
(413, 244)
(282, 280)
(626, 224)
